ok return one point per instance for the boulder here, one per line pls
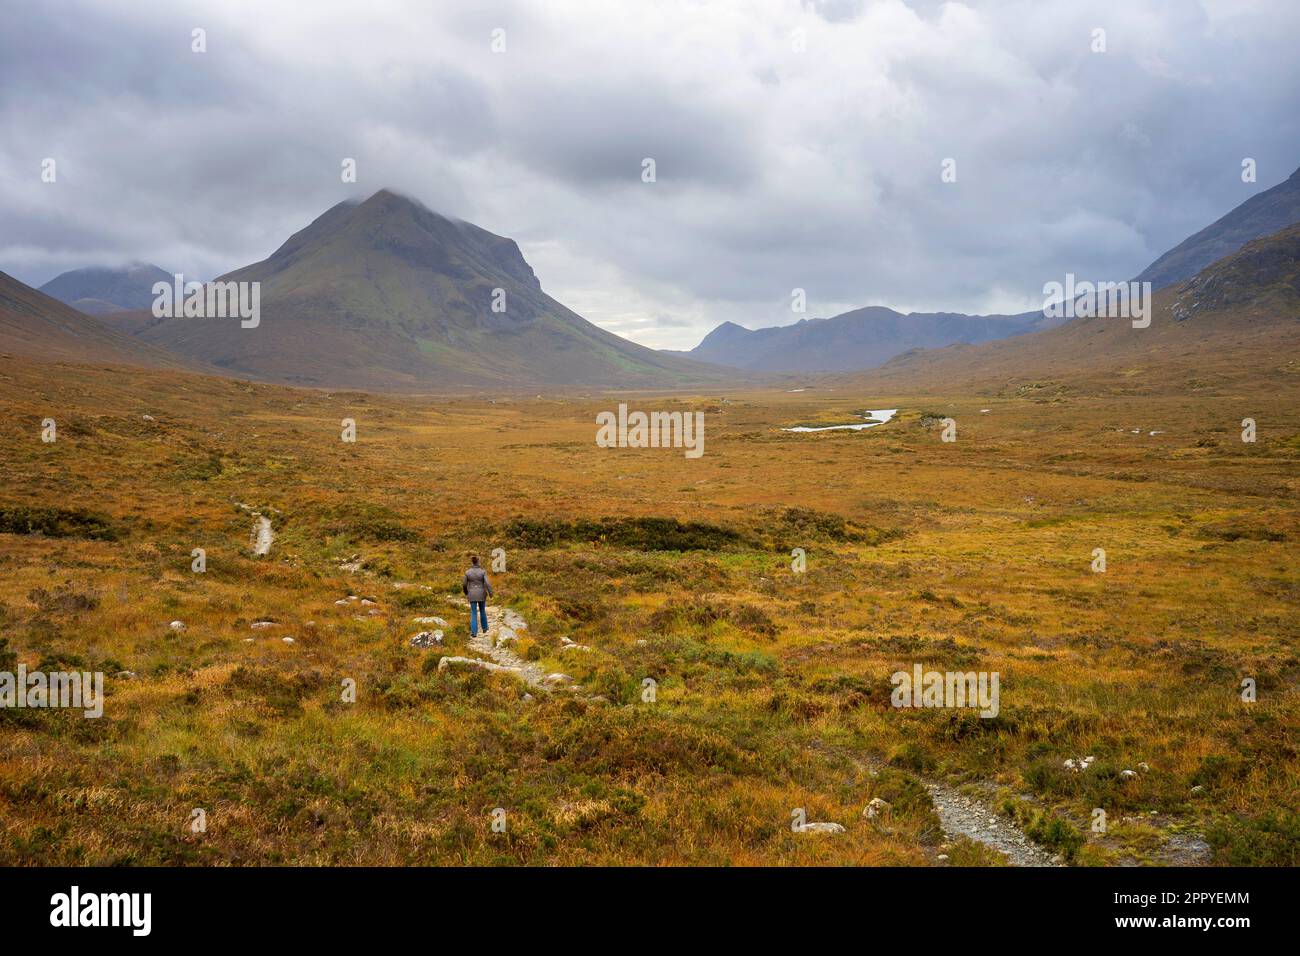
(427, 639)
(447, 662)
(877, 809)
(822, 828)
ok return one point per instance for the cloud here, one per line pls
(797, 144)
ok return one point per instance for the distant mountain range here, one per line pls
(98, 291)
(866, 338)
(862, 338)
(388, 295)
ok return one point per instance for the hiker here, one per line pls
(477, 590)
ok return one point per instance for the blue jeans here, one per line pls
(481, 606)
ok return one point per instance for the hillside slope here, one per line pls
(36, 326)
(1261, 215)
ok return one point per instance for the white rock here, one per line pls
(1127, 774)
(263, 625)
(287, 640)
(557, 678)
(177, 625)
(447, 662)
(429, 620)
(1198, 789)
(147, 418)
(877, 809)
(426, 639)
(942, 857)
(341, 602)
(822, 828)
(366, 602)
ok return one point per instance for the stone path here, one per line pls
(495, 644)
(961, 815)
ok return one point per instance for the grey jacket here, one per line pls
(476, 585)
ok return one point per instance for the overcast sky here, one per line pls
(797, 144)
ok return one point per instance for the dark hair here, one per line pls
(473, 559)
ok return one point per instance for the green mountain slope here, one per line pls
(387, 295)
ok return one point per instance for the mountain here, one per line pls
(1261, 215)
(34, 325)
(1236, 320)
(388, 295)
(859, 339)
(98, 291)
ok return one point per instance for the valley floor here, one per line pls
(722, 693)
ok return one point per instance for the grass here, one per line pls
(772, 687)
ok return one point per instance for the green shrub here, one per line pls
(1054, 833)
(912, 756)
(1270, 839)
(57, 523)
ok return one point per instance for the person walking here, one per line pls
(477, 589)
